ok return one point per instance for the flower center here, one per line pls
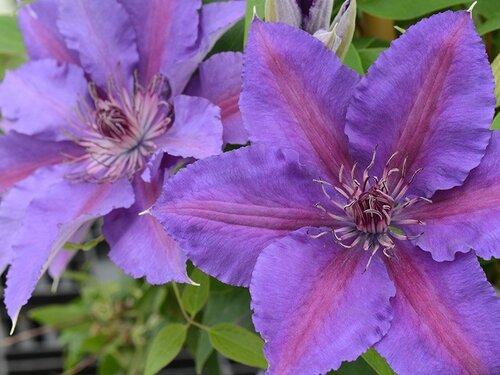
(371, 210)
(120, 131)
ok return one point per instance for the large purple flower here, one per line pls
(97, 120)
(323, 216)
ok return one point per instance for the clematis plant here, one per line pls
(356, 214)
(96, 120)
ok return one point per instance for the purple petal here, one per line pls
(62, 258)
(446, 316)
(51, 220)
(220, 82)
(166, 31)
(139, 244)
(101, 33)
(37, 22)
(225, 209)
(436, 107)
(15, 202)
(466, 217)
(21, 155)
(315, 306)
(41, 96)
(197, 130)
(216, 19)
(295, 95)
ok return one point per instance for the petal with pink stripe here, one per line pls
(21, 155)
(38, 24)
(466, 217)
(315, 306)
(41, 98)
(225, 209)
(295, 95)
(101, 33)
(446, 316)
(430, 98)
(139, 244)
(220, 82)
(51, 220)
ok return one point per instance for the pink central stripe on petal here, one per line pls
(229, 106)
(425, 109)
(278, 218)
(437, 321)
(470, 201)
(316, 126)
(158, 35)
(47, 39)
(327, 291)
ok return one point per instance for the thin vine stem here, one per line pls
(186, 316)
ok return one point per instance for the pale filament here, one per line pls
(119, 130)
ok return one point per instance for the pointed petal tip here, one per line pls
(472, 7)
(14, 322)
(146, 212)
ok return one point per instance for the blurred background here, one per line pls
(96, 320)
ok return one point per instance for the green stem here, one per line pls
(188, 319)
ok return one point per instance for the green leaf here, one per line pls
(11, 40)
(496, 123)
(490, 25)
(495, 66)
(12, 50)
(404, 9)
(353, 60)
(165, 347)
(89, 245)
(238, 344)
(377, 362)
(59, 315)
(203, 350)
(152, 300)
(232, 40)
(368, 56)
(487, 8)
(253, 6)
(108, 365)
(10, 62)
(228, 305)
(194, 297)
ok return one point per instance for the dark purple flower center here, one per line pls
(111, 121)
(121, 129)
(371, 209)
(305, 5)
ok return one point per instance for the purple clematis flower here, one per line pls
(96, 121)
(323, 216)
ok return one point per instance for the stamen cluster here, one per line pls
(120, 129)
(373, 208)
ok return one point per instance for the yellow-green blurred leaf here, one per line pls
(238, 344)
(165, 347)
(353, 60)
(194, 297)
(495, 66)
(252, 7)
(405, 9)
(377, 362)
